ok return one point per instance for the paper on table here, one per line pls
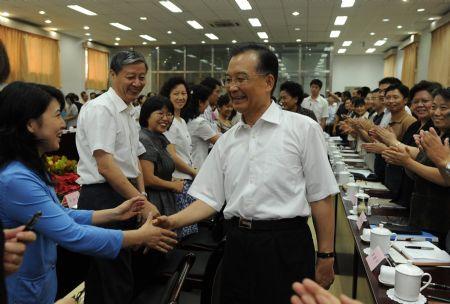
(353, 160)
(419, 255)
(363, 172)
(371, 185)
(345, 154)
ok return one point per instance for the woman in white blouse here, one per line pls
(202, 134)
(180, 147)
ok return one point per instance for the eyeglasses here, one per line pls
(168, 115)
(239, 80)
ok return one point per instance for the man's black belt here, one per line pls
(281, 224)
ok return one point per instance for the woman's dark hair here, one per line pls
(424, 85)
(72, 97)
(210, 83)
(199, 93)
(152, 104)
(444, 93)
(20, 102)
(346, 95)
(357, 102)
(5, 68)
(294, 89)
(170, 84)
(223, 100)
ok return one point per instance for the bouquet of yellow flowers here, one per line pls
(60, 165)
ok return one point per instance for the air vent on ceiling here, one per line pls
(224, 23)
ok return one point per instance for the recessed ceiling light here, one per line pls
(420, 9)
(298, 40)
(266, 40)
(121, 26)
(170, 6)
(342, 51)
(88, 34)
(86, 27)
(385, 38)
(295, 13)
(174, 42)
(144, 43)
(41, 12)
(169, 32)
(262, 35)
(434, 18)
(195, 24)
(347, 43)
(117, 38)
(297, 29)
(82, 10)
(405, 0)
(370, 50)
(116, 43)
(372, 34)
(380, 42)
(143, 18)
(211, 36)
(233, 41)
(340, 20)
(243, 5)
(385, 20)
(90, 39)
(399, 26)
(5, 14)
(48, 21)
(203, 42)
(54, 29)
(347, 3)
(147, 37)
(254, 22)
(335, 34)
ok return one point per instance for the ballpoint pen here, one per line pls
(419, 247)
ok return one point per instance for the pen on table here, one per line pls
(439, 299)
(419, 247)
(439, 286)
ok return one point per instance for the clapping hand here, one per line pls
(397, 156)
(129, 208)
(309, 292)
(431, 143)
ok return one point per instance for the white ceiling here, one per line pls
(315, 21)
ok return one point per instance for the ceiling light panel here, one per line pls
(347, 3)
(147, 37)
(347, 43)
(243, 5)
(335, 34)
(371, 50)
(340, 20)
(263, 35)
(254, 22)
(82, 10)
(211, 36)
(195, 24)
(121, 26)
(171, 6)
(380, 42)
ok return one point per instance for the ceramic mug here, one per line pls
(352, 189)
(387, 274)
(339, 166)
(381, 237)
(408, 281)
(343, 177)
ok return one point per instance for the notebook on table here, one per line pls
(422, 257)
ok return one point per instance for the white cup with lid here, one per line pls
(352, 189)
(343, 177)
(381, 237)
(387, 275)
(408, 281)
(339, 166)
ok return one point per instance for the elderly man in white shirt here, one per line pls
(317, 103)
(272, 170)
(108, 144)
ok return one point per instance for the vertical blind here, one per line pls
(32, 57)
(439, 66)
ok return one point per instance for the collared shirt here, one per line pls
(401, 124)
(178, 135)
(211, 117)
(387, 117)
(200, 131)
(332, 109)
(319, 106)
(107, 124)
(272, 170)
(22, 194)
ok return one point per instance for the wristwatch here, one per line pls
(325, 255)
(144, 193)
(447, 169)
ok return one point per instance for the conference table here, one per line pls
(361, 282)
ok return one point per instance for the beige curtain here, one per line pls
(32, 57)
(389, 66)
(439, 67)
(97, 70)
(409, 64)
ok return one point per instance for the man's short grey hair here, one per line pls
(125, 58)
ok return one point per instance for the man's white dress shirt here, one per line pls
(272, 170)
(319, 106)
(107, 123)
(200, 131)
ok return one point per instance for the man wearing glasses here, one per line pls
(272, 170)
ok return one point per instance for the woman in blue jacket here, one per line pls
(31, 125)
